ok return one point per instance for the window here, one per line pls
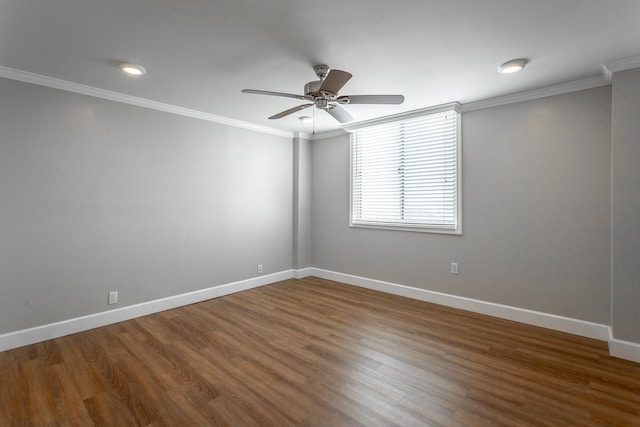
(405, 173)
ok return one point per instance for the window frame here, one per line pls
(454, 107)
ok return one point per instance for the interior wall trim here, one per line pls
(303, 272)
(617, 348)
(51, 82)
(41, 80)
(624, 350)
(622, 64)
(574, 86)
(37, 334)
(536, 318)
(323, 135)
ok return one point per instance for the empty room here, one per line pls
(319, 213)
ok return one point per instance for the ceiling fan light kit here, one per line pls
(132, 69)
(323, 94)
(512, 66)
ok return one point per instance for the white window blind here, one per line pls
(405, 174)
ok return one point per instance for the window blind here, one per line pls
(405, 173)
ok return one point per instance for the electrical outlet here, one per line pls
(259, 268)
(113, 297)
(454, 268)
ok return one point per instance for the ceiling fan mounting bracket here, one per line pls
(321, 70)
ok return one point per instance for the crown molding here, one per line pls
(607, 74)
(51, 82)
(621, 64)
(402, 116)
(301, 135)
(529, 95)
(328, 134)
(321, 135)
(608, 69)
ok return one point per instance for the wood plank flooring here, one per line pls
(313, 352)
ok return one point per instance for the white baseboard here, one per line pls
(618, 348)
(84, 323)
(530, 317)
(302, 273)
(624, 350)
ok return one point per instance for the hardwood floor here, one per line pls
(312, 352)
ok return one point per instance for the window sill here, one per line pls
(404, 227)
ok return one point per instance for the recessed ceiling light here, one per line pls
(132, 69)
(512, 66)
(305, 119)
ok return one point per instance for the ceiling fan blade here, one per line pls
(290, 111)
(339, 113)
(372, 99)
(266, 92)
(334, 81)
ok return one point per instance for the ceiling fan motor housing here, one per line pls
(320, 99)
(312, 88)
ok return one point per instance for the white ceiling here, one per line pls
(199, 54)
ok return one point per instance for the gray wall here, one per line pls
(98, 196)
(625, 160)
(535, 209)
(301, 203)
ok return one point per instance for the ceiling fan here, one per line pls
(323, 94)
